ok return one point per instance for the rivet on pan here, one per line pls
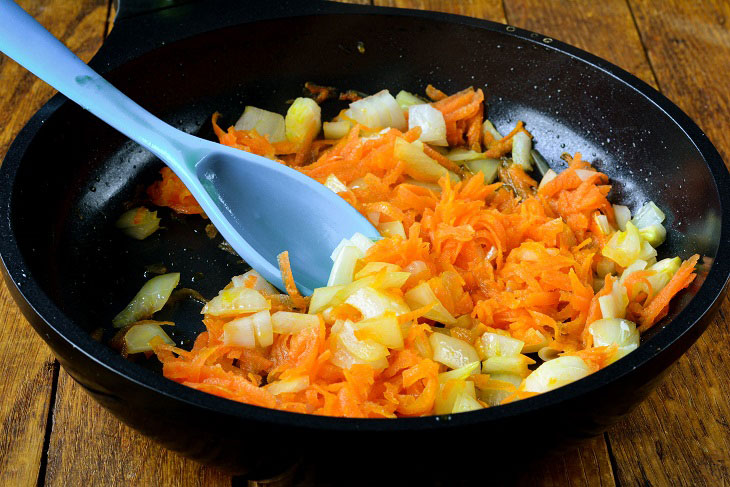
(547, 40)
(510, 28)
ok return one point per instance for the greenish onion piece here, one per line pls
(344, 266)
(378, 111)
(321, 298)
(149, 299)
(549, 176)
(235, 301)
(461, 155)
(624, 247)
(452, 352)
(488, 128)
(496, 345)
(417, 164)
(284, 322)
(516, 365)
(465, 403)
(336, 130)
(335, 185)
(623, 215)
(488, 167)
(654, 234)
(303, 121)
(621, 332)
(373, 303)
(392, 229)
(138, 223)
(138, 337)
(556, 373)
(263, 122)
(423, 295)
(406, 100)
(521, 147)
(432, 124)
(649, 214)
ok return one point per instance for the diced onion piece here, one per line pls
(378, 111)
(373, 303)
(447, 395)
(516, 364)
(263, 122)
(603, 225)
(137, 339)
(361, 242)
(284, 322)
(623, 215)
(621, 332)
(488, 128)
(336, 130)
(624, 247)
(303, 121)
(406, 100)
(235, 301)
(343, 358)
(521, 147)
(649, 214)
(138, 223)
(534, 341)
(465, 403)
(321, 298)
(461, 155)
(556, 373)
(654, 234)
(584, 174)
(637, 265)
(296, 384)
(604, 267)
(461, 373)
(451, 351)
(614, 305)
(496, 345)
(344, 266)
(549, 176)
(260, 284)
(547, 353)
(648, 253)
(368, 350)
(423, 295)
(385, 330)
(417, 164)
(263, 329)
(499, 387)
(375, 267)
(149, 299)
(431, 121)
(488, 167)
(240, 333)
(392, 229)
(334, 184)
(664, 271)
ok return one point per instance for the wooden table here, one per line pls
(54, 434)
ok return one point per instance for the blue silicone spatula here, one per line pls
(259, 206)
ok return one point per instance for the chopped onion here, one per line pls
(461, 155)
(263, 122)
(423, 295)
(534, 341)
(375, 267)
(378, 111)
(621, 332)
(367, 350)
(263, 328)
(624, 247)
(138, 337)
(556, 373)
(614, 305)
(235, 301)
(384, 330)
(335, 185)
(623, 215)
(240, 333)
(446, 396)
(417, 164)
(431, 121)
(431, 186)
(336, 130)
(488, 167)
(461, 373)
(584, 174)
(654, 234)
(605, 266)
(406, 100)
(521, 147)
(138, 223)
(547, 353)
(549, 176)
(465, 403)
(516, 364)
(488, 128)
(649, 214)
(637, 265)
(452, 352)
(260, 284)
(496, 345)
(321, 298)
(284, 322)
(149, 299)
(664, 271)
(648, 253)
(344, 266)
(392, 229)
(361, 242)
(373, 303)
(603, 225)
(297, 384)
(303, 121)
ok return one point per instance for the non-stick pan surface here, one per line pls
(68, 177)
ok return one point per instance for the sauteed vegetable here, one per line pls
(486, 287)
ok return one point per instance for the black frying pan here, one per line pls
(67, 177)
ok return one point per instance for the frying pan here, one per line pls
(67, 177)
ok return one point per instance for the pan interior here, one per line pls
(79, 175)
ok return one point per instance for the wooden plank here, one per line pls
(592, 26)
(483, 9)
(681, 435)
(91, 447)
(27, 364)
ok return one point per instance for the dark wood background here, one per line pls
(54, 434)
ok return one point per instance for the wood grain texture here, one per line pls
(91, 447)
(483, 9)
(26, 362)
(603, 28)
(681, 435)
